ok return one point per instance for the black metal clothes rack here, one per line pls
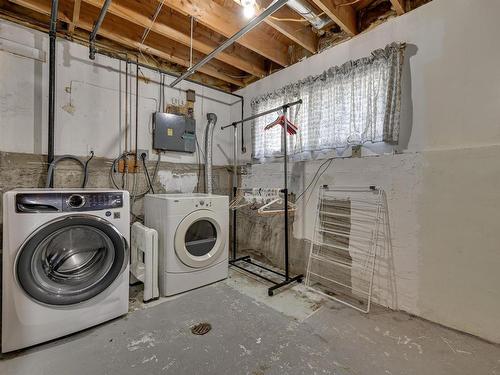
(237, 262)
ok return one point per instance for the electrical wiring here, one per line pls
(135, 196)
(148, 30)
(151, 188)
(316, 177)
(114, 168)
(321, 174)
(86, 169)
(153, 179)
(52, 167)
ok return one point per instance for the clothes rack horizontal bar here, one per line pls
(281, 107)
(254, 273)
(249, 260)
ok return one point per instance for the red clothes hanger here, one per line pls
(282, 120)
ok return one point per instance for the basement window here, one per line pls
(351, 104)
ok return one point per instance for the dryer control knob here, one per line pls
(202, 203)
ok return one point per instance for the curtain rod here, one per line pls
(282, 107)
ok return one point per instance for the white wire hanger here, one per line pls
(268, 210)
(263, 200)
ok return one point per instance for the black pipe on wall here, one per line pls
(52, 80)
(136, 108)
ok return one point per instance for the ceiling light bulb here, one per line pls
(247, 3)
(249, 11)
(248, 8)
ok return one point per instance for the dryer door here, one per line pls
(71, 259)
(199, 239)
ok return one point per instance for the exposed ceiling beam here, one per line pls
(226, 22)
(76, 16)
(44, 8)
(163, 29)
(342, 15)
(399, 6)
(362, 4)
(282, 21)
(170, 56)
(254, 22)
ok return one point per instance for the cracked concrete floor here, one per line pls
(295, 332)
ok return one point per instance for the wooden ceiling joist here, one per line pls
(399, 6)
(44, 8)
(169, 56)
(342, 15)
(226, 22)
(290, 24)
(76, 16)
(165, 30)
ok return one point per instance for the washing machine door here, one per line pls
(199, 239)
(71, 260)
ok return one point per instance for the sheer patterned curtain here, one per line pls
(351, 104)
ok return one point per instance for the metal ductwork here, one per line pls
(309, 13)
(209, 135)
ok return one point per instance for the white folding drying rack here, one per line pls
(344, 244)
(144, 260)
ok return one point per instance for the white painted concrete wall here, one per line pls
(98, 100)
(443, 191)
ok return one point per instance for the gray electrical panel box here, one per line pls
(174, 132)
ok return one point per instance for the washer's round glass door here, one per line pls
(71, 260)
(199, 239)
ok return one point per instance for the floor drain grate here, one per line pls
(201, 328)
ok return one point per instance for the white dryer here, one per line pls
(193, 235)
(65, 262)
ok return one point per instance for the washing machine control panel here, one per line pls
(67, 202)
(92, 201)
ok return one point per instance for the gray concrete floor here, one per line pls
(295, 332)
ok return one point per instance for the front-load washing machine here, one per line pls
(65, 262)
(193, 232)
